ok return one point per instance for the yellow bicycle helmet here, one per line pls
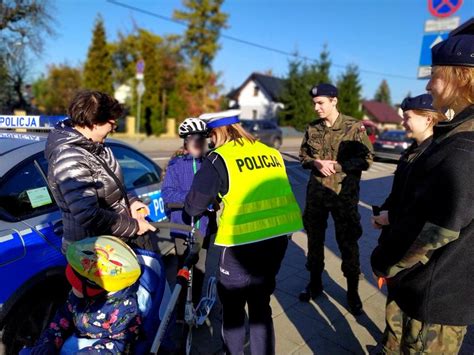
(106, 261)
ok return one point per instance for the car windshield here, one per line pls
(394, 136)
(247, 124)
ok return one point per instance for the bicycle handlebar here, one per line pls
(193, 256)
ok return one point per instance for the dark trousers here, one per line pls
(247, 277)
(343, 208)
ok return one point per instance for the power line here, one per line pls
(254, 44)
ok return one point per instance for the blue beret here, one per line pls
(323, 90)
(457, 50)
(420, 102)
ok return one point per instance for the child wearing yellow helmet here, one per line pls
(101, 313)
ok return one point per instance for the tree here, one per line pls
(54, 92)
(23, 26)
(6, 93)
(350, 89)
(25, 22)
(298, 109)
(383, 93)
(98, 66)
(205, 20)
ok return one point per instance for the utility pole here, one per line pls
(140, 70)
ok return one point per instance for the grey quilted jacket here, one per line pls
(88, 197)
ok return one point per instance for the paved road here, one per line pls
(324, 326)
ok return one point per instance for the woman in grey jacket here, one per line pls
(84, 176)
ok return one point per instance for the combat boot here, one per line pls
(314, 288)
(353, 298)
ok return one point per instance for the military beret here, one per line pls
(457, 50)
(323, 90)
(420, 102)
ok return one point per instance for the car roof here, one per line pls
(18, 146)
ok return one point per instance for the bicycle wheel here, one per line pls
(189, 340)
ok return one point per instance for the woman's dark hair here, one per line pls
(91, 107)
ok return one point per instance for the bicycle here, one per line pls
(193, 316)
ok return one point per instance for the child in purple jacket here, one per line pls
(176, 185)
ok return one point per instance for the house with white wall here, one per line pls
(258, 97)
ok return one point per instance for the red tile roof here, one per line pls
(381, 112)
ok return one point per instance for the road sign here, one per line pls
(442, 24)
(443, 8)
(140, 69)
(140, 88)
(429, 41)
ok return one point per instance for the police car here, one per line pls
(31, 263)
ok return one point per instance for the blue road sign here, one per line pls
(429, 41)
(140, 66)
(443, 8)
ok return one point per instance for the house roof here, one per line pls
(271, 85)
(381, 112)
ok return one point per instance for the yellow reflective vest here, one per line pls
(260, 203)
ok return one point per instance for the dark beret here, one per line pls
(323, 90)
(457, 50)
(420, 102)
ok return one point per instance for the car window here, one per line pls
(394, 136)
(137, 170)
(24, 192)
(268, 125)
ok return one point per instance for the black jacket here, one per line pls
(392, 203)
(88, 197)
(428, 255)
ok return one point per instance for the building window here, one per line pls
(254, 114)
(255, 90)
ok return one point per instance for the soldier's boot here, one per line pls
(314, 288)
(353, 298)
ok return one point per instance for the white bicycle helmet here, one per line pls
(192, 126)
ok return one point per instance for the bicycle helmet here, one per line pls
(192, 126)
(102, 262)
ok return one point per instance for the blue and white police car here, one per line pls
(31, 264)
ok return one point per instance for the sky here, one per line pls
(378, 35)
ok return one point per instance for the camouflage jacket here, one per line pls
(345, 141)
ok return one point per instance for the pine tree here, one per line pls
(205, 21)
(98, 66)
(383, 93)
(298, 108)
(350, 89)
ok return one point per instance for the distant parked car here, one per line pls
(371, 129)
(391, 144)
(266, 131)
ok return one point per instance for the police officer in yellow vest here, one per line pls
(259, 213)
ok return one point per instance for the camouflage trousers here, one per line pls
(405, 335)
(319, 203)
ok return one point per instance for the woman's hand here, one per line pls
(144, 226)
(381, 220)
(139, 210)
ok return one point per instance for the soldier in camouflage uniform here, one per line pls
(336, 149)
